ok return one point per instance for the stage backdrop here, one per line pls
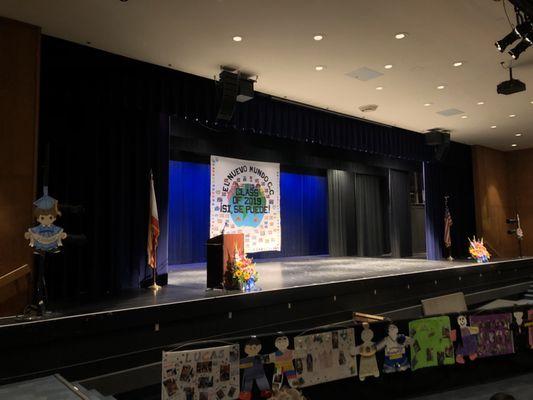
(245, 199)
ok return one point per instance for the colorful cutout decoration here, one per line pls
(432, 345)
(254, 371)
(368, 365)
(204, 374)
(46, 237)
(395, 348)
(530, 327)
(283, 362)
(466, 338)
(324, 357)
(495, 337)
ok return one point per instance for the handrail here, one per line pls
(14, 275)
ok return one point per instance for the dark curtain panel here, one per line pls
(453, 177)
(400, 214)
(371, 216)
(101, 154)
(341, 213)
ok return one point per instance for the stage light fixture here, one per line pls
(524, 44)
(520, 31)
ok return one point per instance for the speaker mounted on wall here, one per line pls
(439, 139)
(236, 87)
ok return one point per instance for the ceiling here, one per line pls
(196, 36)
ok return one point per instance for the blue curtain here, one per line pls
(304, 228)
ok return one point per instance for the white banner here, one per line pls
(324, 357)
(205, 374)
(245, 199)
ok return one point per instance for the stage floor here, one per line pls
(187, 283)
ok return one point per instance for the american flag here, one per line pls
(153, 227)
(448, 222)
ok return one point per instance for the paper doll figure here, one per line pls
(368, 365)
(283, 362)
(254, 371)
(520, 334)
(395, 346)
(46, 237)
(468, 345)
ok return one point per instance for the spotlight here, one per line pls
(522, 46)
(518, 32)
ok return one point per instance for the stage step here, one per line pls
(52, 387)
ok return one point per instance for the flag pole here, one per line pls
(154, 286)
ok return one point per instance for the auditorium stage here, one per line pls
(296, 293)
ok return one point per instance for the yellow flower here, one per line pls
(246, 276)
(238, 273)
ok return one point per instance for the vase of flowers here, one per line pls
(241, 272)
(478, 251)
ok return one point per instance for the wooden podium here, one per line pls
(220, 251)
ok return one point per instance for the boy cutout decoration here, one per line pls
(395, 348)
(46, 237)
(283, 362)
(520, 332)
(368, 365)
(254, 371)
(467, 347)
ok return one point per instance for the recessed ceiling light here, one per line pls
(379, 88)
(518, 134)
(320, 67)
(464, 116)
(400, 35)
(427, 104)
(480, 103)
(512, 115)
(440, 87)
(531, 102)
(388, 66)
(514, 145)
(237, 38)
(318, 37)
(457, 63)
(493, 127)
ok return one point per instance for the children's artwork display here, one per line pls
(254, 371)
(395, 348)
(204, 374)
(368, 365)
(431, 342)
(466, 337)
(324, 357)
(495, 337)
(282, 359)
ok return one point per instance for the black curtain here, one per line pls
(341, 213)
(371, 216)
(453, 178)
(101, 154)
(400, 214)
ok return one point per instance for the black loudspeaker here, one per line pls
(230, 89)
(440, 141)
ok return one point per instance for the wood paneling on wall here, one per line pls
(19, 100)
(501, 189)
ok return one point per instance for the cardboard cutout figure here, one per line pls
(395, 346)
(254, 371)
(468, 345)
(46, 237)
(368, 365)
(519, 331)
(283, 362)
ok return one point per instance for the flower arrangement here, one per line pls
(242, 271)
(478, 250)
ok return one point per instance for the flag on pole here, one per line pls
(448, 222)
(153, 227)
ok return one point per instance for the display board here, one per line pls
(245, 198)
(495, 337)
(205, 374)
(431, 343)
(324, 357)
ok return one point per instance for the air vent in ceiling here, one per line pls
(450, 112)
(364, 74)
(368, 108)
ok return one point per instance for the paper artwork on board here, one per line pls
(431, 342)
(204, 374)
(495, 337)
(324, 357)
